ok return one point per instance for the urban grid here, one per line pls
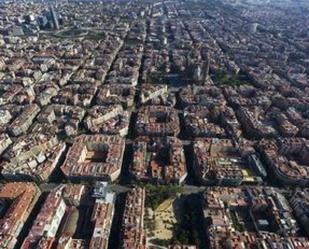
(154, 124)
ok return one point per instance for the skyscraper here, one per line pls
(54, 17)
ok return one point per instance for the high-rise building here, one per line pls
(54, 18)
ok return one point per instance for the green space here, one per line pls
(71, 33)
(157, 77)
(184, 231)
(156, 194)
(183, 228)
(236, 224)
(222, 78)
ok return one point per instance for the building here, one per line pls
(157, 121)
(47, 222)
(159, 160)
(94, 157)
(102, 217)
(198, 123)
(54, 18)
(112, 120)
(182, 247)
(300, 204)
(247, 216)
(151, 92)
(133, 233)
(17, 201)
(22, 123)
(255, 126)
(33, 156)
(65, 118)
(116, 94)
(73, 194)
(287, 160)
(218, 161)
(5, 141)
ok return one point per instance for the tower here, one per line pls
(54, 18)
